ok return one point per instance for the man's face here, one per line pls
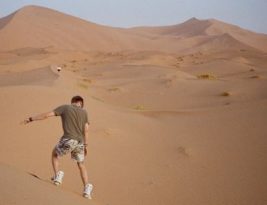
(80, 104)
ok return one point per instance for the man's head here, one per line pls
(78, 100)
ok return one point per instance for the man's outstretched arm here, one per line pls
(42, 116)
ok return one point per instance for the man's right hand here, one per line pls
(26, 121)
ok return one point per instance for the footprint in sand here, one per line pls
(183, 151)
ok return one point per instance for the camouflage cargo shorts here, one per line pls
(72, 146)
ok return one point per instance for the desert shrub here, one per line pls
(139, 107)
(82, 85)
(113, 89)
(206, 76)
(180, 59)
(98, 99)
(255, 77)
(225, 94)
(87, 80)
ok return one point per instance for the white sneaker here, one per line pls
(87, 191)
(58, 178)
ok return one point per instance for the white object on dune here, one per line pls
(59, 69)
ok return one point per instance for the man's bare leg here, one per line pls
(87, 187)
(83, 172)
(55, 162)
(58, 175)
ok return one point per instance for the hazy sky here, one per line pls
(250, 14)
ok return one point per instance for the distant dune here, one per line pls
(41, 76)
(22, 29)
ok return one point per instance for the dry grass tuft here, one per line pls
(184, 151)
(206, 77)
(98, 99)
(115, 89)
(255, 77)
(139, 107)
(82, 85)
(225, 94)
(87, 80)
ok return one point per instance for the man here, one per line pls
(75, 138)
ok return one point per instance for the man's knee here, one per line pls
(81, 165)
(54, 153)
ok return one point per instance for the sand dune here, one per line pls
(223, 42)
(41, 76)
(196, 151)
(190, 28)
(29, 189)
(252, 39)
(211, 27)
(177, 113)
(21, 29)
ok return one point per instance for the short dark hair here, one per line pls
(76, 99)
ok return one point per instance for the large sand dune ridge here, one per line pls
(22, 29)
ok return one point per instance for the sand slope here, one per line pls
(170, 138)
(25, 188)
(41, 76)
(209, 28)
(22, 29)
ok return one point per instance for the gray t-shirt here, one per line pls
(73, 119)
